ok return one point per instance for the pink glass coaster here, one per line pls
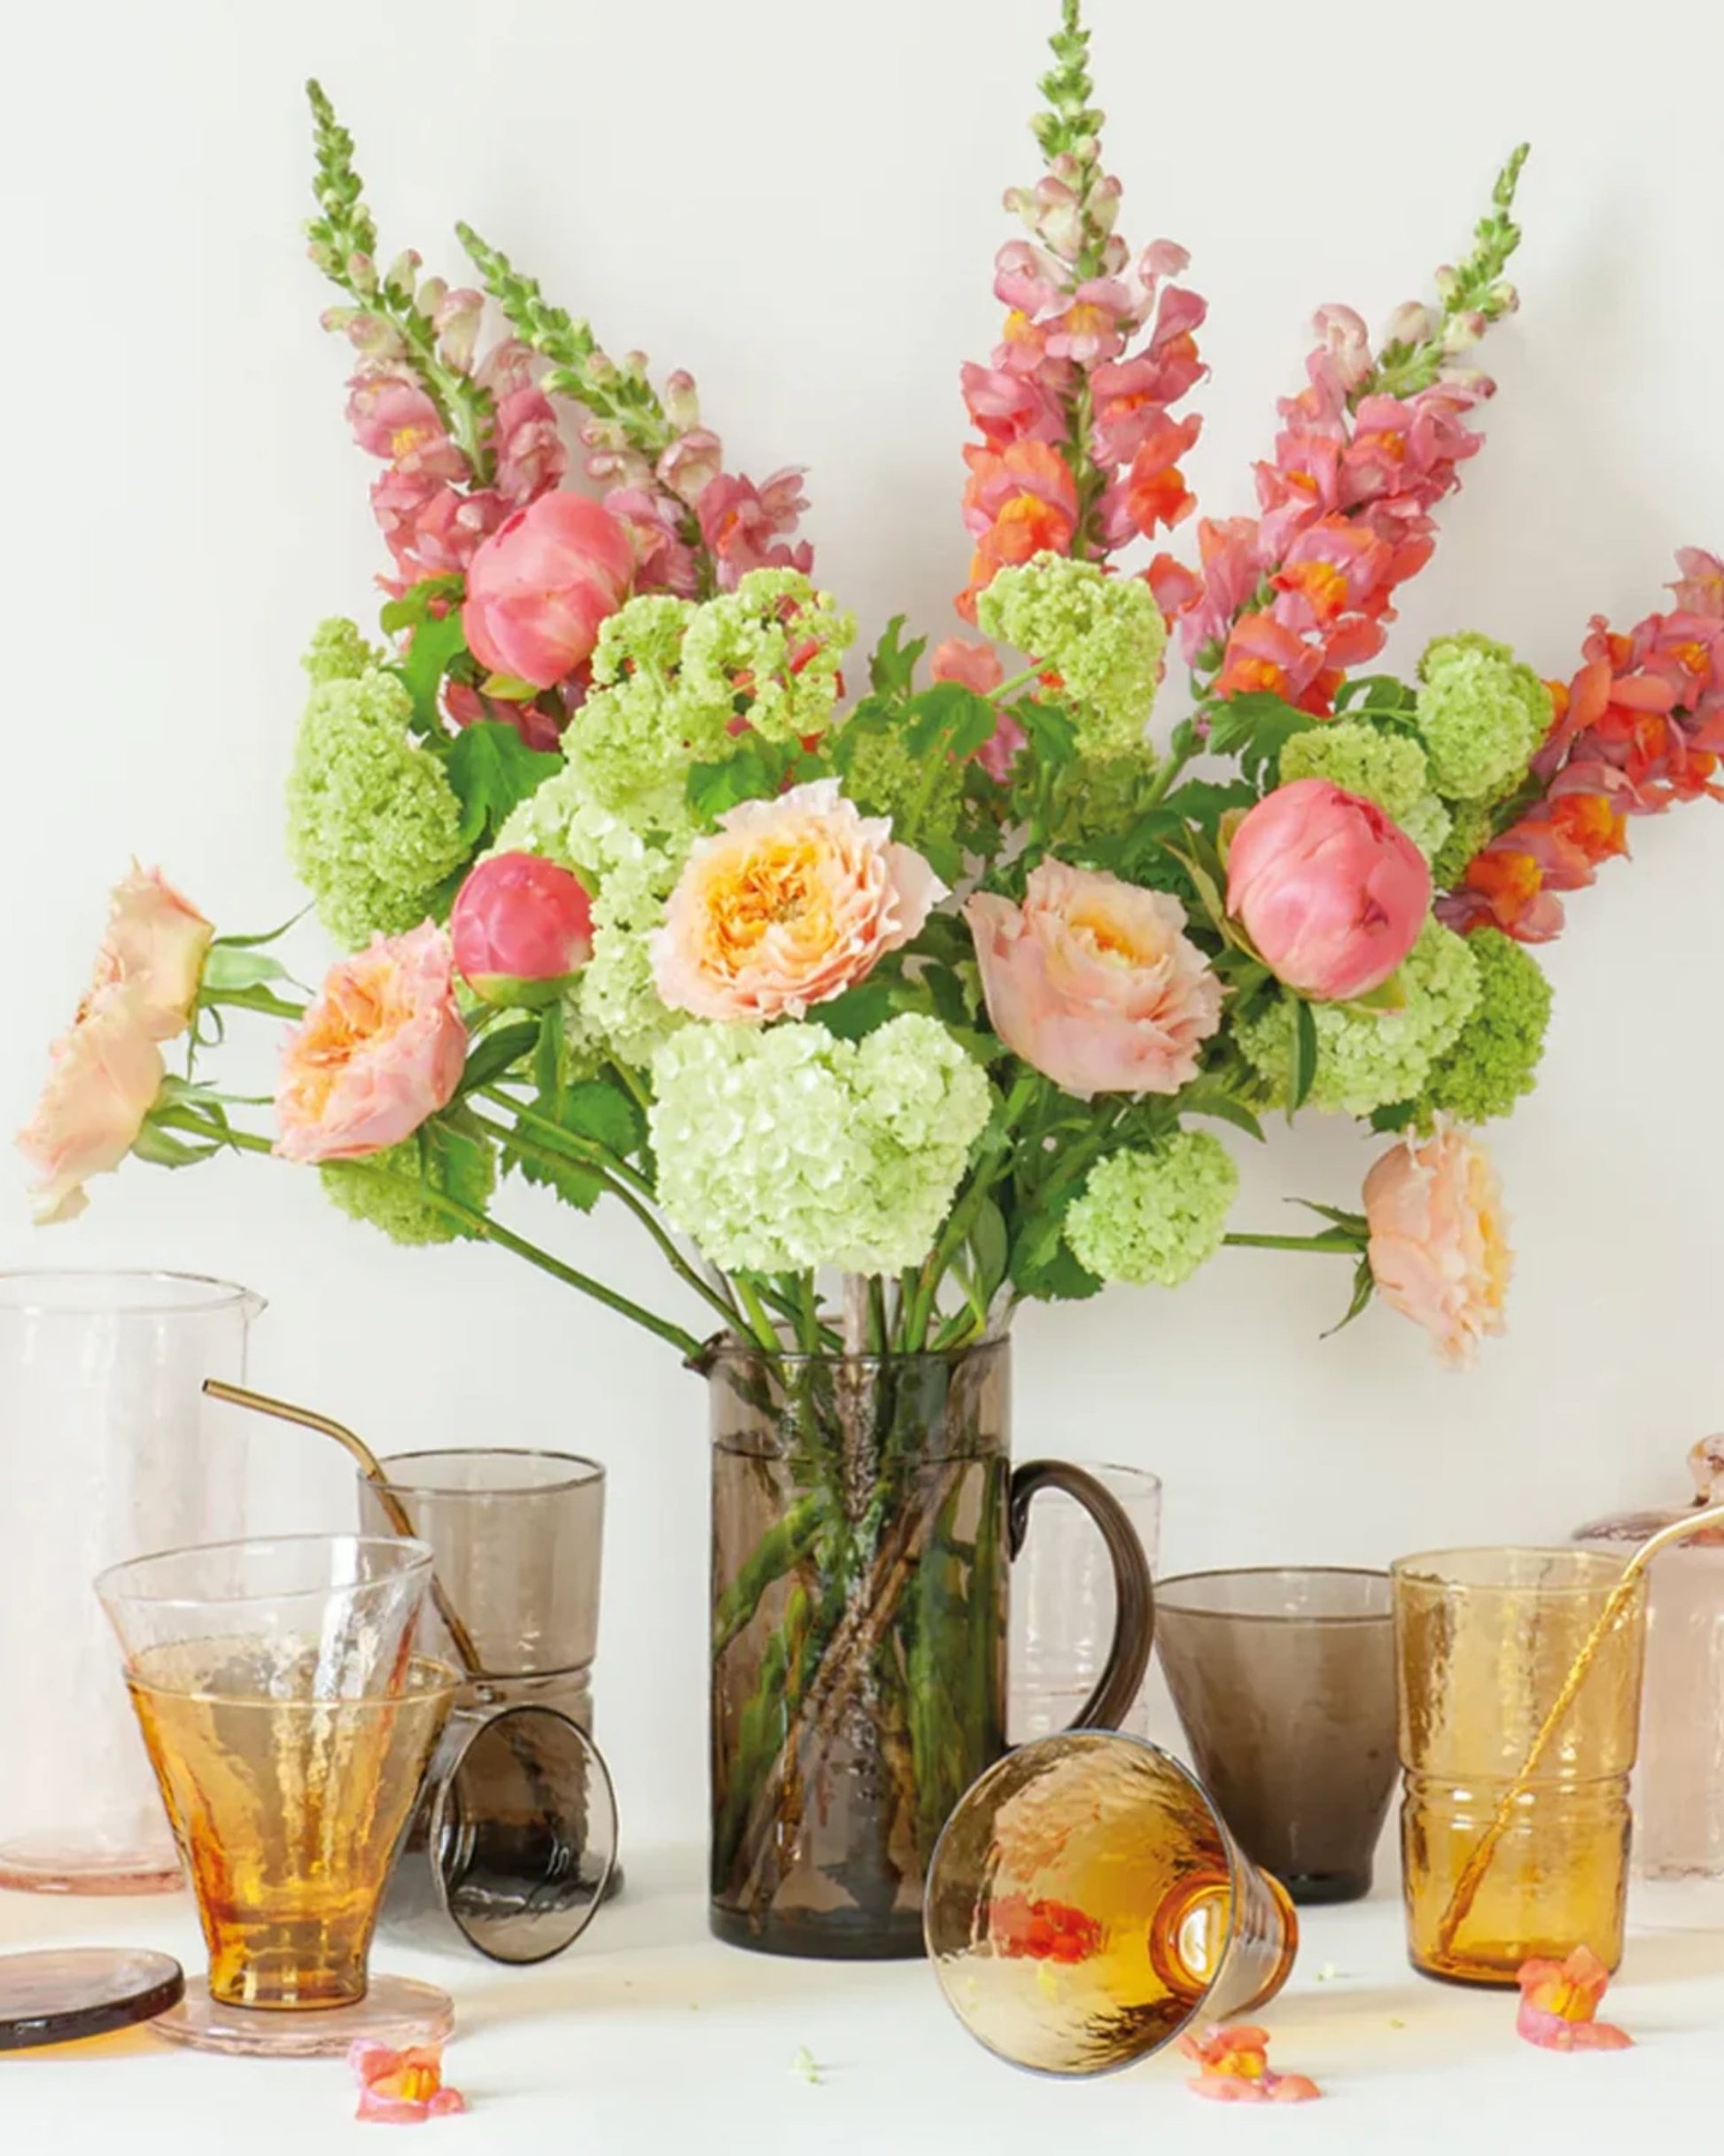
(42, 1866)
(396, 2011)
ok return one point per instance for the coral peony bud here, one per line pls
(522, 928)
(1332, 892)
(540, 586)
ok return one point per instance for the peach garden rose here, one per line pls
(381, 1049)
(156, 943)
(1439, 1249)
(104, 1074)
(1094, 981)
(787, 904)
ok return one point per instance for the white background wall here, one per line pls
(800, 203)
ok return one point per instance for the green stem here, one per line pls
(1337, 1243)
(582, 1150)
(765, 1331)
(546, 1158)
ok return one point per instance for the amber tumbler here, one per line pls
(1485, 1640)
(1285, 1683)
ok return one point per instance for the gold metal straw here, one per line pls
(284, 1410)
(1472, 1875)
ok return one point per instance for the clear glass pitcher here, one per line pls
(108, 1450)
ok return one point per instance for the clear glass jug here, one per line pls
(108, 1450)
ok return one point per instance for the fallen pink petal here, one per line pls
(402, 2088)
(1559, 2001)
(1235, 2068)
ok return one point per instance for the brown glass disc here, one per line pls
(62, 1995)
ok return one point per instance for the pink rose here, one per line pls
(540, 588)
(381, 1048)
(521, 926)
(1330, 890)
(155, 944)
(1438, 1248)
(104, 1075)
(1094, 982)
(787, 905)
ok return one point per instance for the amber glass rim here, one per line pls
(1435, 1568)
(1167, 1595)
(442, 1680)
(127, 1582)
(584, 1473)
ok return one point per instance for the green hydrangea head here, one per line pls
(1154, 1217)
(1388, 769)
(373, 824)
(785, 1148)
(1496, 1059)
(1103, 635)
(788, 639)
(885, 780)
(387, 1190)
(1481, 714)
(1368, 1059)
(338, 652)
(1472, 827)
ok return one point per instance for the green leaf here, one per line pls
(1058, 1278)
(1356, 1224)
(1053, 733)
(436, 642)
(456, 1161)
(1390, 996)
(991, 1248)
(1258, 727)
(858, 1012)
(1201, 1099)
(509, 689)
(596, 1110)
(1304, 1066)
(1204, 801)
(416, 603)
(161, 1149)
(948, 720)
(254, 943)
(496, 1053)
(1396, 1116)
(747, 776)
(260, 1000)
(892, 669)
(1365, 1286)
(493, 771)
(228, 968)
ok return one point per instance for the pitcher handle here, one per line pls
(1134, 1619)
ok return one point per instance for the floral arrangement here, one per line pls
(939, 968)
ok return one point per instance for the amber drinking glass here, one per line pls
(1086, 1903)
(1284, 1684)
(289, 1721)
(1484, 1641)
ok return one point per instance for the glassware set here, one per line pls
(396, 1723)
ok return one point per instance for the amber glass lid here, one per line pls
(63, 1994)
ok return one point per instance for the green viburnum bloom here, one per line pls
(373, 824)
(338, 652)
(387, 1190)
(1481, 714)
(1384, 769)
(1367, 1059)
(785, 1148)
(643, 724)
(1154, 1217)
(1473, 824)
(1103, 635)
(885, 780)
(791, 664)
(1496, 1059)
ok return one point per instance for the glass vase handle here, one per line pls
(1134, 1608)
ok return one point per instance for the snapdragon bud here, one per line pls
(430, 296)
(1504, 298)
(682, 404)
(362, 273)
(1461, 332)
(402, 271)
(601, 367)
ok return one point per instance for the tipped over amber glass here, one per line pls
(1086, 1905)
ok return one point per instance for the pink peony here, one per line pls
(1094, 983)
(521, 926)
(155, 944)
(540, 586)
(1331, 892)
(104, 1075)
(381, 1048)
(1438, 1248)
(787, 905)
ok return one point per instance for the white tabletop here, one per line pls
(648, 2037)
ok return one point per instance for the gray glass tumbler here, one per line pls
(1285, 1683)
(515, 1838)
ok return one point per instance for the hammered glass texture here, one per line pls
(1484, 1639)
(107, 1450)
